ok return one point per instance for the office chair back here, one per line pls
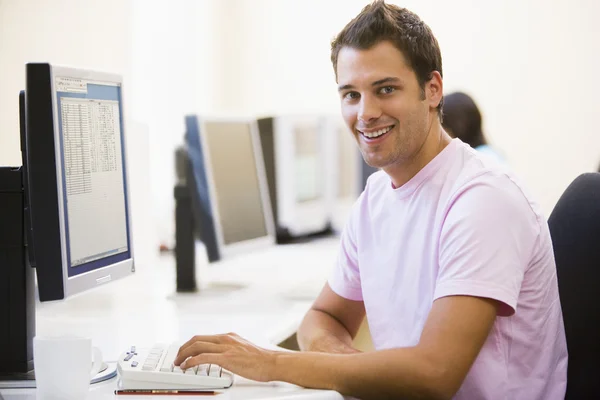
(575, 230)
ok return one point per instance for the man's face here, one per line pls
(383, 104)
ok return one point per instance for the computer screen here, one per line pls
(354, 171)
(350, 170)
(347, 164)
(77, 179)
(229, 177)
(236, 179)
(296, 152)
(307, 162)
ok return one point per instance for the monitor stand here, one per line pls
(27, 380)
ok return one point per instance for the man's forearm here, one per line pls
(323, 333)
(393, 373)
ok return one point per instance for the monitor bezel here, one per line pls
(90, 279)
(234, 249)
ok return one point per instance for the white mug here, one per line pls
(63, 366)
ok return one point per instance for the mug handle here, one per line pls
(97, 362)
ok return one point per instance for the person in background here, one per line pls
(462, 120)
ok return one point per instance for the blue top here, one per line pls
(491, 153)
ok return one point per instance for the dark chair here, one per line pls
(575, 230)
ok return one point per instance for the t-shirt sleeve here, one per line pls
(486, 241)
(345, 277)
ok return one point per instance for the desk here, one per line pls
(263, 296)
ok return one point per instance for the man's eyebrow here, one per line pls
(389, 79)
(345, 87)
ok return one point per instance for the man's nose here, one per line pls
(369, 110)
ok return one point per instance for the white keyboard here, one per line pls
(153, 369)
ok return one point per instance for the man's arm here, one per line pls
(331, 324)
(454, 333)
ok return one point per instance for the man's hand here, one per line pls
(231, 352)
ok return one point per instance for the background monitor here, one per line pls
(77, 186)
(295, 154)
(350, 171)
(231, 192)
(191, 166)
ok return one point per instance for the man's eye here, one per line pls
(387, 90)
(351, 96)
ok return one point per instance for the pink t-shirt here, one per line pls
(461, 226)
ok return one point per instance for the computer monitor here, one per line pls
(228, 186)
(74, 180)
(350, 171)
(79, 202)
(295, 154)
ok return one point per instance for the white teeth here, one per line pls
(378, 133)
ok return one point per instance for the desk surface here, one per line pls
(262, 296)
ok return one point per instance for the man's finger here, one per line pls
(204, 358)
(197, 348)
(199, 338)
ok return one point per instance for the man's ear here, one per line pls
(434, 89)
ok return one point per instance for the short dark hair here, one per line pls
(462, 119)
(379, 22)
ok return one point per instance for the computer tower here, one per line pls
(17, 284)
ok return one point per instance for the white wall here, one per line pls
(181, 66)
(69, 32)
(95, 35)
(172, 48)
(530, 64)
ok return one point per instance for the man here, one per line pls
(446, 256)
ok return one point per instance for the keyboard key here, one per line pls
(147, 367)
(134, 363)
(171, 354)
(203, 369)
(129, 356)
(214, 370)
(166, 368)
(191, 370)
(177, 370)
